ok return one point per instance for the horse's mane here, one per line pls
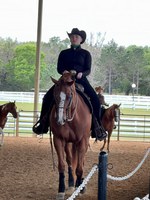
(1, 106)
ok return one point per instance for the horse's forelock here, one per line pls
(66, 76)
(67, 79)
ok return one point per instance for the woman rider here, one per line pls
(77, 59)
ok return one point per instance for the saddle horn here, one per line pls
(73, 74)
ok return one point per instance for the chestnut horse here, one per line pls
(70, 122)
(110, 116)
(4, 110)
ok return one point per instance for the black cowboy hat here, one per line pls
(75, 31)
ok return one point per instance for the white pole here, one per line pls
(37, 69)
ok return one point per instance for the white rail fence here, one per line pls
(134, 102)
(131, 127)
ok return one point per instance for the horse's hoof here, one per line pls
(83, 190)
(71, 189)
(60, 196)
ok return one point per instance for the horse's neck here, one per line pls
(109, 112)
(113, 112)
(74, 105)
(1, 106)
(80, 102)
(76, 99)
(4, 111)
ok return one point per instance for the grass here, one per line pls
(30, 107)
(135, 111)
(23, 106)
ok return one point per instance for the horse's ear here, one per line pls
(54, 80)
(119, 105)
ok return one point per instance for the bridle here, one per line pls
(63, 111)
(69, 115)
(116, 114)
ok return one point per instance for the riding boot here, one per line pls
(98, 131)
(42, 124)
(114, 127)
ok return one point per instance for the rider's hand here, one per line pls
(64, 72)
(79, 75)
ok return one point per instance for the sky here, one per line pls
(127, 22)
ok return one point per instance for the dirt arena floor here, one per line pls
(26, 170)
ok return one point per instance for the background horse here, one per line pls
(4, 110)
(110, 116)
(70, 122)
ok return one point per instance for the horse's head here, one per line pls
(99, 89)
(11, 107)
(116, 111)
(64, 92)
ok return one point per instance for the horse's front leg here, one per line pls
(59, 146)
(68, 150)
(83, 146)
(108, 142)
(101, 149)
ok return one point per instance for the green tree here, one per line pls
(6, 54)
(22, 66)
(114, 67)
(52, 50)
(108, 65)
(136, 63)
(144, 88)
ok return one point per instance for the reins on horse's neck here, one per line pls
(74, 110)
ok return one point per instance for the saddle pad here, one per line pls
(85, 98)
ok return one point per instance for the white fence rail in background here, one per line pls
(142, 102)
(27, 97)
(130, 127)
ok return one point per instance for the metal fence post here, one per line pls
(118, 127)
(17, 125)
(102, 176)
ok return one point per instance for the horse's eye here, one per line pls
(68, 97)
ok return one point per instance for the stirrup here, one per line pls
(35, 128)
(39, 130)
(100, 133)
(38, 122)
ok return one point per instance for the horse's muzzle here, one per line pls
(60, 122)
(15, 115)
